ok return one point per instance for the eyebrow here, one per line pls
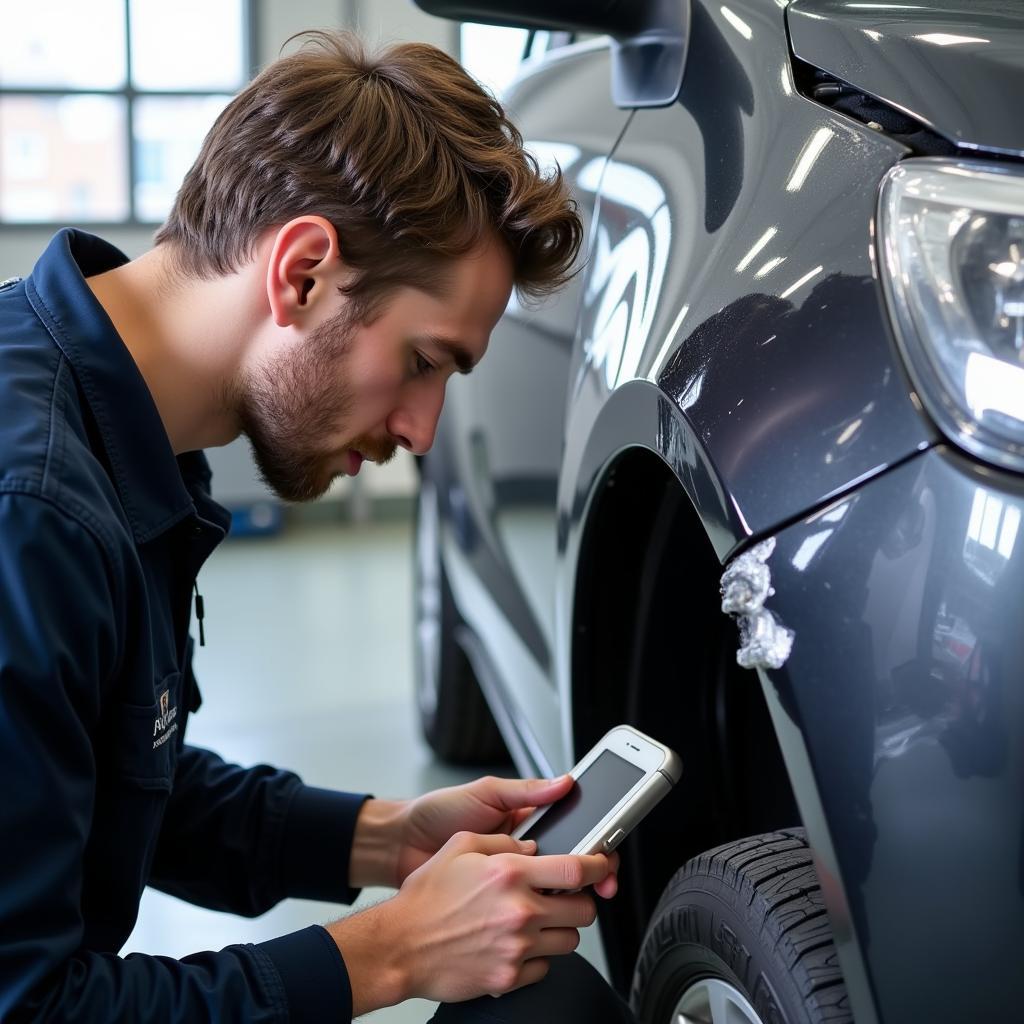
(460, 355)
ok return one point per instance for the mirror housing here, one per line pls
(649, 37)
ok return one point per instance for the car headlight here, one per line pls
(952, 237)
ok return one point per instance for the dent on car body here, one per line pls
(746, 585)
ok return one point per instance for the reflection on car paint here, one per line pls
(905, 682)
(813, 543)
(808, 157)
(756, 248)
(991, 535)
(737, 23)
(772, 377)
(629, 275)
(553, 156)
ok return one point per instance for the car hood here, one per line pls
(955, 65)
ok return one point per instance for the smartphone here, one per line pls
(618, 783)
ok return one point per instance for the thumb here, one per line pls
(513, 794)
(490, 844)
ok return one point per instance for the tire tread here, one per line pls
(771, 881)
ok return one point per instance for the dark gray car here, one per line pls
(786, 391)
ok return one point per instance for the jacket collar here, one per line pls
(142, 463)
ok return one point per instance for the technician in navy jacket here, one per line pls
(347, 239)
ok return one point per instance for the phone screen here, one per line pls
(596, 791)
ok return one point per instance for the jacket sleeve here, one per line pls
(241, 839)
(59, 611)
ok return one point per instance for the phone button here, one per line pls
(613, 840)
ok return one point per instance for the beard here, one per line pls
(291, 407)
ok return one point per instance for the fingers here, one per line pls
(571, 910)
(531, 963)
(566, 872)
(532, 971)
(516, 818)
(609, 886)
(562, 873)
(551, 942)
(491, 845)
(489, 928)
(513, 794)
(555, 942)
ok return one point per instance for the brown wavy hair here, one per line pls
(402, 151)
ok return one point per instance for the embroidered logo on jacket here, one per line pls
(165, 726)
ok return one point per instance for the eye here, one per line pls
(423, 365)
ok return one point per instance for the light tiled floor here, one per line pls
(307, 665)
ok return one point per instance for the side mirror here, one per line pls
(649, 37)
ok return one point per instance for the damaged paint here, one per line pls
(746, 585)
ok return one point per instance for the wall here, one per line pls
(376, 20)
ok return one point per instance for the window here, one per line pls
(104, 105)
(492, 54)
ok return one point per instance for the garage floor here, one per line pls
(307, 665)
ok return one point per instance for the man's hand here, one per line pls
(485, 806)
(394, 838)
(469, 921)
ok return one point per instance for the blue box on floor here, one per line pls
(258, 519)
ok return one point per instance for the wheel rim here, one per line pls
(713, 1001)
(428, 600)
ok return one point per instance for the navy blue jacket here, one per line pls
(102, 532)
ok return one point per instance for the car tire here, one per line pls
(741, 934)
(454, 717)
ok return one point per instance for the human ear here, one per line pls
(303, 264)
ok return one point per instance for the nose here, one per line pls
(414, 424)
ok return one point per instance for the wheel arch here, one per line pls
(646, 650)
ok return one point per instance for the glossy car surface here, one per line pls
(724, 369)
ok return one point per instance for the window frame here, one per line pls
(130, 94)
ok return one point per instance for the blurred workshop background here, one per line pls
(308, 659)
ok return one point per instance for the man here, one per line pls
(346, 240)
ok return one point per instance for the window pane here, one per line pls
(62, 159)
(62, 44)
(190, 44)
(492, 54)
(168, 134)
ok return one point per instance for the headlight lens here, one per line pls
(952, 236)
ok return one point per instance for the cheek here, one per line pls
(377, 386)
